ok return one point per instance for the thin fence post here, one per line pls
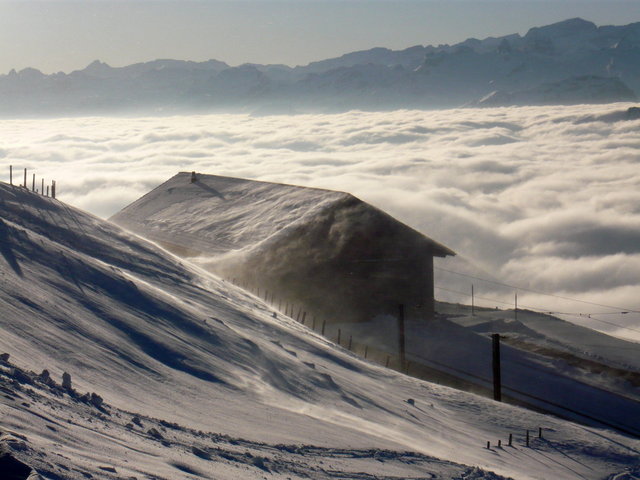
(33, 183)
(339, 333)
(42, 187)
(527, 443)
(47, 190)
(539, 432)
(350, 339)
(515, 312)
(511, 439)
(387, 363)
(324, 324)
(53, 189)
(313, 323)
(366, 350)
(25, 179)
(304, 316)
(10, 174)
(299, 313)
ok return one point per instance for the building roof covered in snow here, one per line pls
(216, 214)
(328, 252)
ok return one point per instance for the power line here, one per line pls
(539, 310)
(536, 291)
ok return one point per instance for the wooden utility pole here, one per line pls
(401, 338)
(472, 302)
(497, 380)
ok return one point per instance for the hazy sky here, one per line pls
(54, 35)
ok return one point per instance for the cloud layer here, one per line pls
(546, 198)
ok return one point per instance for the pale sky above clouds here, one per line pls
(545, 198)
(62, 35)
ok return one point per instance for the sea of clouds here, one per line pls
(542, 198)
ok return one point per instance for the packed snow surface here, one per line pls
(202, 380)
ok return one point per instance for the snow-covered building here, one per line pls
(325, 252)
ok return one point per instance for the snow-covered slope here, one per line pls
(201, 380)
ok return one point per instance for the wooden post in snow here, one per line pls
(497, 381)
(350, 341)
(24, 184)
(10, 174)
(53, 189)
(33, 183)
(324, 324)
(42, 187)
(515, 312)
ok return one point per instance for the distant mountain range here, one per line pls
(569, 62)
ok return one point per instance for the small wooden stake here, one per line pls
(488, 445)
(350, 339)
(339, 333)
(499, 443)
(510, 439)
(366, 350)
(539, 432)
(324, 324)
(527, 438)
(387, 364)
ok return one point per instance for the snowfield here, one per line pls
(201, 380)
